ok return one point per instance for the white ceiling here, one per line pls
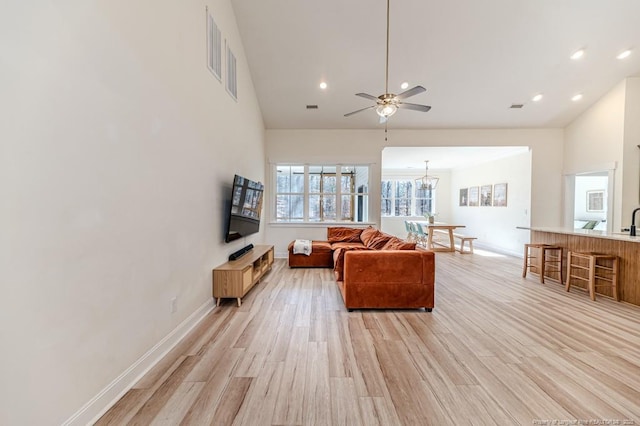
(475, 58)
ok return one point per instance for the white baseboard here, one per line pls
(498, 250)
(99, 404)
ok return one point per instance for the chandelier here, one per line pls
(427, 182)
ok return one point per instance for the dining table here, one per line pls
(447, 228)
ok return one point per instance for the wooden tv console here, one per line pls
(235, 278)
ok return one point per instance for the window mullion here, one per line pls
(305, 198)
(338, 192)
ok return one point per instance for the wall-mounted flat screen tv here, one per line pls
(245, 208)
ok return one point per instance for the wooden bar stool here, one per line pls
(542, 262)
(595, 272)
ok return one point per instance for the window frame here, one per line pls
(337, 195)
(414, 199)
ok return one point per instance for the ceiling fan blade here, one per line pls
(415, 107)
(411, 92)
(367, 96)
(360, 110)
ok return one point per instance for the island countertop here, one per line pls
(620, 236)
(622, 245)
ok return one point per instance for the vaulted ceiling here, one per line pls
(475, 58)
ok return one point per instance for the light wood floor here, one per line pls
(497, 349)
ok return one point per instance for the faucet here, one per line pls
(632, 230)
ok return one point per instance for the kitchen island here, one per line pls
(627, 249)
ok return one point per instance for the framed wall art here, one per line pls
(500, 195)
(464, 196)
(595, 201)
(474, 199)
(485, 195)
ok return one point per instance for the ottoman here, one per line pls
(321, 256)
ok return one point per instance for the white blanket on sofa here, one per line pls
(302, 247)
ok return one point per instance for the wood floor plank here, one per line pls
(497, 349)
(231, 400)
(576, 399)
(202, 409)
(177, 406)
(339, 365)
(517, 382)
(261, 397)
(344, 402)
(317, 392)
(318, 332)
(288, 409)
(147, 413)
(365, 359)
(123, 410)
(413, 401)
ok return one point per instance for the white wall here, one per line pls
(115, 162)
(631, 153)
(594, 141)
(495, 227)
(365, 146)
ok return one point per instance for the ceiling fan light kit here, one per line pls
(386, 110)
(388, 103)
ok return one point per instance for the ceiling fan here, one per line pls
(387, 104)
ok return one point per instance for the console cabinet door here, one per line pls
(247, 278)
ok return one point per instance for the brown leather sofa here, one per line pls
(373, 269)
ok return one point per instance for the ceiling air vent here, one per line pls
(516, 106)
(312, 106)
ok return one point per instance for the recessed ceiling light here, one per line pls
(577, 97)
(577, 54)
(323, 85)
(537, 97)
(624, 54)
(404, 85)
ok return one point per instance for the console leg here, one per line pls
(428, 309)
(239, 302)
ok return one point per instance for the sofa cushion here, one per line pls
(336, 246)
(337, 234)
(368, 234)
(398, 244)
(379, 241)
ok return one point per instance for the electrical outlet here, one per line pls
(174, 305)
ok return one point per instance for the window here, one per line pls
(424, 202)
(321, 193)
(290, 193)
(401, 197)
